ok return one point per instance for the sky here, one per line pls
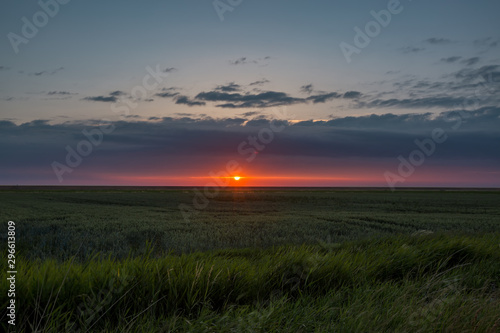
(280, 93)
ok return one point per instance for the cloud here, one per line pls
(412, 49)
(352, 94)
(237, 100)
(111, 98)
(168, 92)
(246, 60)
(230, 87)
(161, 147)
(490, 73)
(488, 42)
(4, 68)
(259, 82)
(450, 59)
(117, 93)
(226, 97)
(465, 83)
(61, 93)
(438, 41)
(240, 61)
(187, 101)
(308, 89)
(425, 102)
(106, 99)
(322, 98)
(42, 73)
(250, 114)
(184, 114)
(170, 70)
(470, 61)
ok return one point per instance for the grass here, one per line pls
(376, 275)
(403, 283)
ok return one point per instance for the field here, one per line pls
(255, 260)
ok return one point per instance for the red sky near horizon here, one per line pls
(314, 176)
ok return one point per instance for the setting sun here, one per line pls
(237, 178)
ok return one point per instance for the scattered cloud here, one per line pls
(451, 59)
(438, 41)
(111, 98)
(173, 93)
(471, 61)
(106, 99)
(352, 94)
(464, 83)
(184, 114)
(425, 102)
(250, 114)
(307, 89)
(61, 93)
(232, 96)
(412, 49)
(187, 101)
(488, 42)
(117, 93)
(259, 82)
(43, 73)
(246, 60)
(490, 73)
(230, 87)
(168, 92)
(324, 97)
(237, 100)
(241, 61)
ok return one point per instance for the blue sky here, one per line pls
(431, 58)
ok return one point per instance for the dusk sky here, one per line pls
(288, 93)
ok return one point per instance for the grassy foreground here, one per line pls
(399, 283)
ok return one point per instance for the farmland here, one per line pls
(253, 258)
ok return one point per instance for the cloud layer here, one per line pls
(163, 146)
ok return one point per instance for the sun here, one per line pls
(236, 178)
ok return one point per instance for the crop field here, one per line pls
(254, 260)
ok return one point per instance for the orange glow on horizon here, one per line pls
(237, 180)
(287, 176)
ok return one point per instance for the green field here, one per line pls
(255, 260)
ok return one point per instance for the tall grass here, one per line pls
(396, 283)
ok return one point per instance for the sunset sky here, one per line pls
(280, 93)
